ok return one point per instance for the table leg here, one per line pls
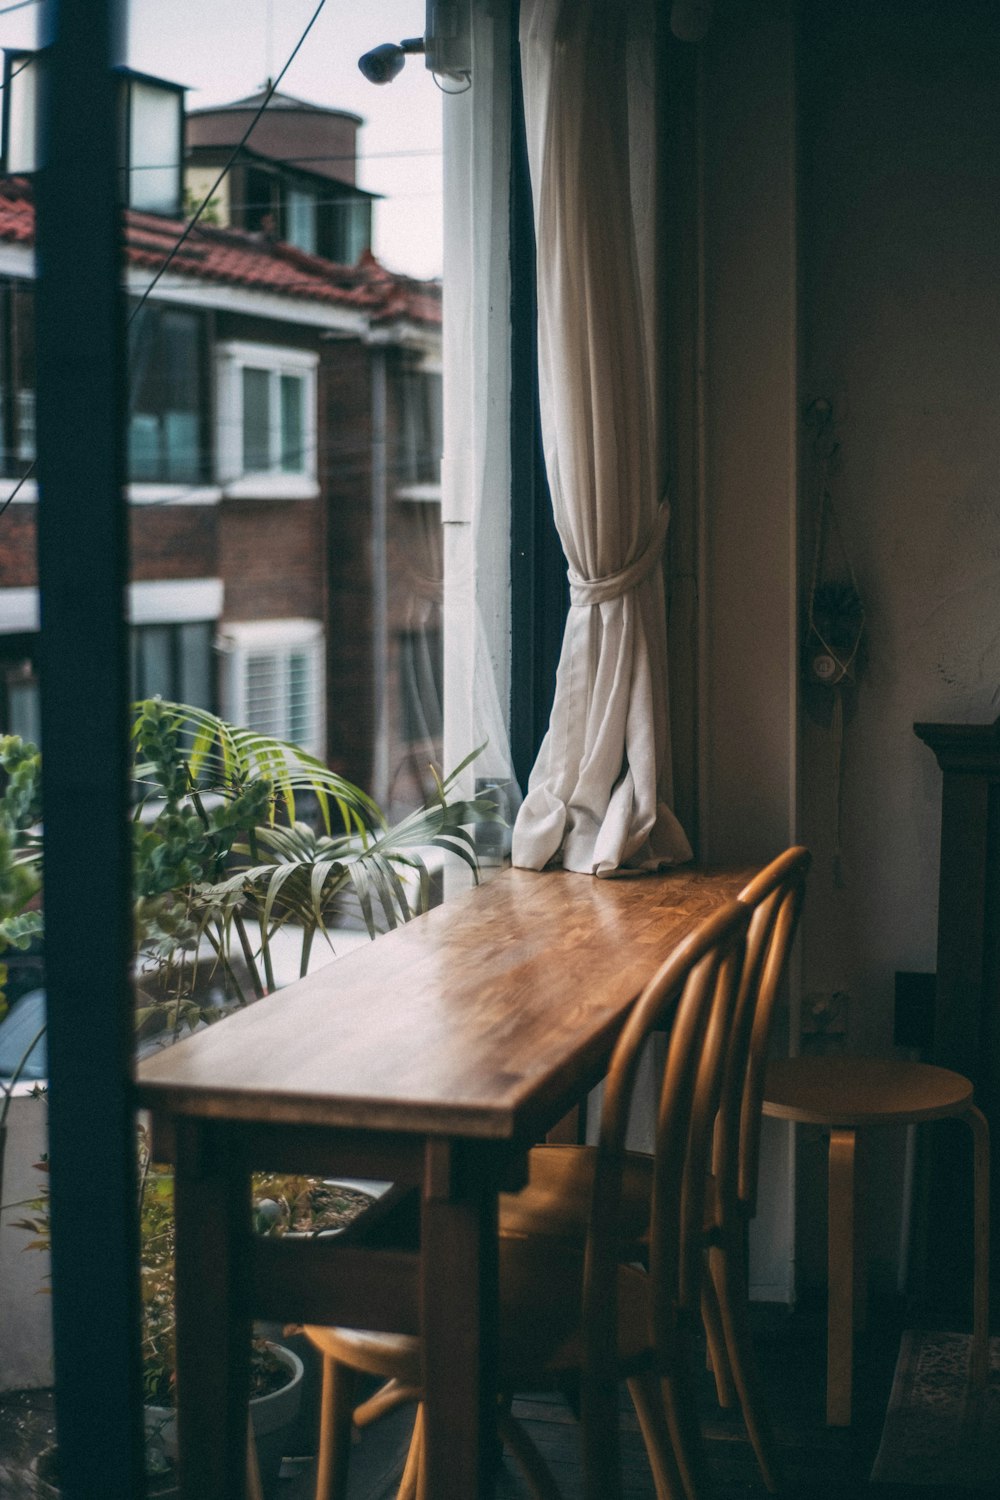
(211, 1217)
(459, 1323)
(840, 1311)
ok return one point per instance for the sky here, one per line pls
(225, 49)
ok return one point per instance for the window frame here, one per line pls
(232, 358)
(239, 640)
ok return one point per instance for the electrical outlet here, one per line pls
(824, 1013)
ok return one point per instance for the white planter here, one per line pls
(272, 1417)
(25, 1303)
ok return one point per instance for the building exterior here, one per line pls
(283, 451)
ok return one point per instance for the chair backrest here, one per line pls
(774, 898)
(694, 992)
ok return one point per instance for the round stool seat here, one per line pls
(857, 1091)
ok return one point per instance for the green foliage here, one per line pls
(227, 862)
(282, 1204)
(20, 849)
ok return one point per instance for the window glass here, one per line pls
(194, 664)
(300, 705)
(17, 376)
(174, 662)
(352, 229)
(292, 413)
(166, 397)
(300, 228)
(154, 148)
(256, 421)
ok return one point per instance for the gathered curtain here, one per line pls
(598, 796)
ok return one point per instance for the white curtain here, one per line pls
(598, 796)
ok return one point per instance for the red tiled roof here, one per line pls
(234, 257)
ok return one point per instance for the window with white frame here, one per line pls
(267, 421)
(274, 679)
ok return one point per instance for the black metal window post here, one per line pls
(539, 584)
(82, 567)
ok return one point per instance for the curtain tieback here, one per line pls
(584, 591)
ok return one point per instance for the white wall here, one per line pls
(901, 328)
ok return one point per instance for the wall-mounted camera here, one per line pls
(446, 46)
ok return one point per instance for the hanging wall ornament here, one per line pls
(835, 624)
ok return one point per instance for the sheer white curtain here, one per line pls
(598, 796)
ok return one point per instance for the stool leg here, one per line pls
(979, 1363)
(840, 1311)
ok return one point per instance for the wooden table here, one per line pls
(434, 1057)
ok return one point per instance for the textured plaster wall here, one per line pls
(900, 237)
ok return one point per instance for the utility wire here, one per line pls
(21, 5)
(27, 63)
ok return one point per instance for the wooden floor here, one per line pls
(820, 1463)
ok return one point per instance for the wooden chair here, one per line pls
(574, 1310)
(848, 1094)
(555, 1201)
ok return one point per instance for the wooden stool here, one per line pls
(847, 1094)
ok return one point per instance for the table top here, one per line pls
(477, 1019)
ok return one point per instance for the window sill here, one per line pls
(421, 493)
(137, 494)
(271, 487)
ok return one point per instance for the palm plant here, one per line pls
(223, 857)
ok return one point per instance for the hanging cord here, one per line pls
(835, 662)
(836, 613)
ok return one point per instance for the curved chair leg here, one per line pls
(254, 1491)
(412, 1480)
(683, 1423)
(731, 1285)
(532, 1464)
(718, 1362)
(336, 1407)
(648, 1405)
(979, 1361)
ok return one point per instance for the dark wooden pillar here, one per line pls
(967, 998)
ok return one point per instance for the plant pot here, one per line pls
(272, 1416)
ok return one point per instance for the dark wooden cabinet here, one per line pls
(966, 1033)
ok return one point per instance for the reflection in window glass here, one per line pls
(166, 397)
(292, 458)
(300, 229)
(256, 421)
(174, 662)
(154, 147)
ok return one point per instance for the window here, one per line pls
(174, 662)
(415, 396)
(153, 116)
(17, 376)
(167, 396)
(351, 227)
(274, 679)
(19, 689)
(300, 216)
(267, 417)
(152, 132)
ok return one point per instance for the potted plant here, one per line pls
(225, 859)
(282, 1204)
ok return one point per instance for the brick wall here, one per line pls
(173, 541)
(17, 547)
(270, 554)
